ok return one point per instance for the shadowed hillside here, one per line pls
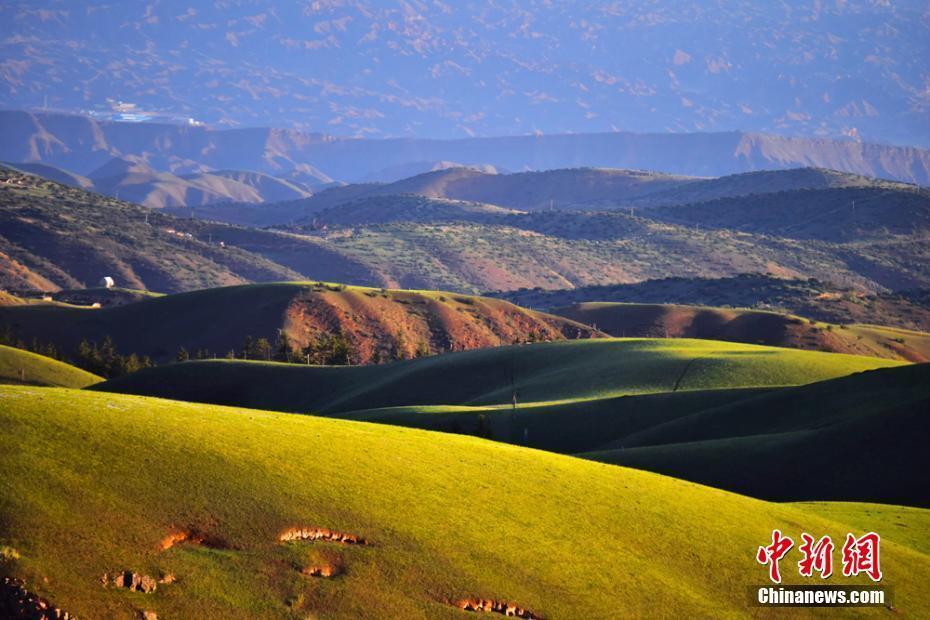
(860, 437)
(558, 372)
(378, 325)
(811, 298)
(756, 327)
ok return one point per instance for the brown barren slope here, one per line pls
(749, 326)
(380, 324)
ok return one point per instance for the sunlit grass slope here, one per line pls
(94, 482)
(18, 366)
(561, 371)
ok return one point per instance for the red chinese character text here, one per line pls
(860, 555)
(817, 556)
(773, 553)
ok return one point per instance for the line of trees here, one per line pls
(102, 359)
(328, 349)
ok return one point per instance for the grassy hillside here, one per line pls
(860, 437)
(447, 518)
(752, 326)
(815, 299)
(379, 324)
(763, 442)
(541, 373)
(23, 367)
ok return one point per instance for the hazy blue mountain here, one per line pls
(85, 146)
(442, 69)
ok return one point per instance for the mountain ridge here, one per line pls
(80, 144)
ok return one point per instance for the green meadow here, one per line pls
(568, 372)
(94, 482)
(24, 367)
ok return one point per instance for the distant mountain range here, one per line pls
(136, 182)
(53, 236)
(84, 146)
(450, 69)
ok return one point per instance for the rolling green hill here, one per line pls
(565, 372)
(445, 518)
(23, 367)
(752, 326)
(862, 437)
(378, 324)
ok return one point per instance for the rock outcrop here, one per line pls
(504, 608)
(130, 581)
(321, 534)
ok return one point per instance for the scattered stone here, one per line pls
(322, 570)
(322, 534)
(504, 608)
(131, 581)
(148, 615)
(18, 602)
(168, 578)
(191, 537)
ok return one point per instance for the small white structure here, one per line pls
(106, 282)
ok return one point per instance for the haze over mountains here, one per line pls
(449, 70)
(83, 145)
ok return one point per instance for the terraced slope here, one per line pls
(379, 324)
(23, 367)
(751, 326)
(566, 372)
(195, 500)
